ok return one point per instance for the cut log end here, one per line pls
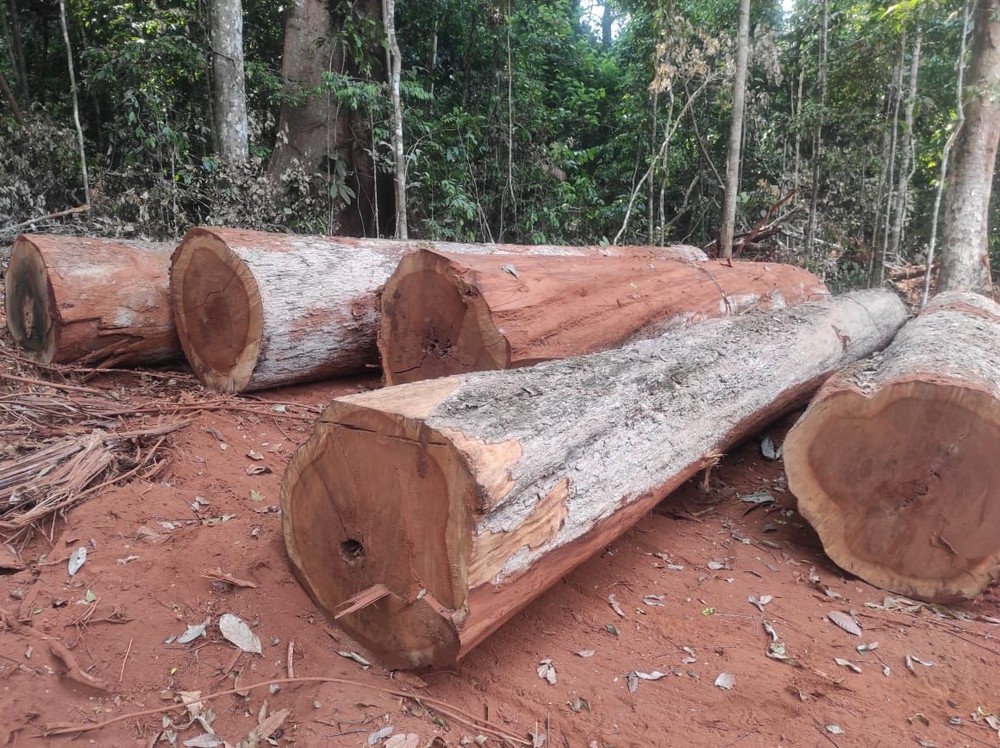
(218, 312)
(451, 332)
(30, 304)
(920, 454)
(340, 545)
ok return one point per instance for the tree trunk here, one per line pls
(907, 148)
(15, 109)
(965, 261)
(313, 130)
(231, 128)
(422, 517)
(735, 135)
(817, 154)
(398, 156)
(76, 103)
(894, 463)
(450, 314)
(90, 300)
(258, 310)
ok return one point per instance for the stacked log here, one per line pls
(257, 310)
(894, 463)
(448, 314)
(92, 301)
(421, 517)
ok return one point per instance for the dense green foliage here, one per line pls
(524, 122)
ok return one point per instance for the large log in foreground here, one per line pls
(257, 310)
(451, 314)
(421, 517)
(895, 461)
(95, 301)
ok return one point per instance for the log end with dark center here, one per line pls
(32, 312)
(217, 310)
(381, 545)
(434, 325)
(902, 486)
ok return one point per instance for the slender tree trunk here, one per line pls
(651, 216)
(959, 122)
(798, 132)
(399, 158)
(76, 102)
(818, 135)
(735, 135)
(22, 65)
(607, 22)
(893, 143)
(965, 264)
(902, 189)
(15, 109)
(229, 80)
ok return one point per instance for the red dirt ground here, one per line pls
(149, 584)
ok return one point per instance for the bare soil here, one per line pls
(704, 553)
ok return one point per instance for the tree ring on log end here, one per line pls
(32, 313)
(218, 311)
(335, 502)
(454, 334)
(903, 501)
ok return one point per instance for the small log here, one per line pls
(894, 462)
(92, 301)
(257, 310)
(450, 314)
(466, 497)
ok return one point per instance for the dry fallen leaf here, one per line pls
(584, 653)
(613, 602)
(844, 621)
(409, 740)
(235, 630)
(725, 681)
(847, 663)
(547, 672)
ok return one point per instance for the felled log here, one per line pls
(257, 310)
(450, 314)
(421, 517)
(92, 301)
(895, 461)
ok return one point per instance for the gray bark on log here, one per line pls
(894, 463)
(257, 310)
(499, 483)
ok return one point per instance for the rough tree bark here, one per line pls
(735, 135)
(312, 128)
(229, 82)
(96, 301)
(451, 314)
(502, 482)
(965, 262)
(257, 310)
(907, 148)
(894, 463)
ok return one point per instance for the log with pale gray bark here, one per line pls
(421, 517)
(895, 461)
(92, 301)
(257, 310)
(448, 314)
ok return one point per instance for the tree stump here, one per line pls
(92, 301)
(450, 314)
(894, 462)
(256, 310)
(421, 517)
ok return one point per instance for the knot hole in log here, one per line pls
(352, 551)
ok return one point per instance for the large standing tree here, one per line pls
(324, 49)
(965, 264)
(229, 84)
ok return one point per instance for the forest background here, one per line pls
(557, 121)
